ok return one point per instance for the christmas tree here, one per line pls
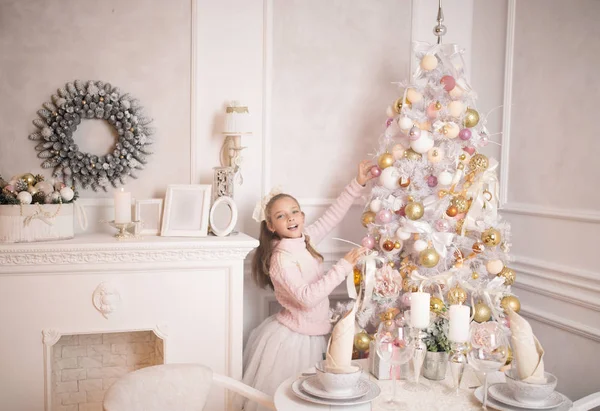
(432, 214)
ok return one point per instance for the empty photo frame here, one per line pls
(223, 216)
(149, 212)
(186, 210)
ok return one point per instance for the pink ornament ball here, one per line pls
(448, 82)
(414, 133)
(464, 134)
(384, 216)
(432, 181)
(10, 188)
(484, 140)
(470, 150)
(368, 242)
(442, 225)
(388, 122)
(375, 171)
(405, 299)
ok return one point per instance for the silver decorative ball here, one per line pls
(439, 30)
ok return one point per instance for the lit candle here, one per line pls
(419, 310)
(122, 207)
(459, 323)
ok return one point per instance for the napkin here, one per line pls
(527, 350)
(339, 348)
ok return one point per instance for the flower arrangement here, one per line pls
(30, 189)
(437, 335)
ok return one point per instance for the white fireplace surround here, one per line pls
(189, 292)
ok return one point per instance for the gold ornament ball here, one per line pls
(408, 287)
(410, 154)
(461, 203)
(357, 276)
(414, 210)
(385, 160)
(474, 275)
(479, 163)
(29, 179)
(452, 211)
(491, 237)
(404, 182)
(471, 118)
(429, 258)
(397, 105)
(478, 247)
(362, 341)
(398, 245)
(481, 312)
(512, 302)
(456, 295)
(368, 217)
(509, 275)
(436, 305)
(391, 264)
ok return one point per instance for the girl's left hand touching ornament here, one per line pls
(364, 172)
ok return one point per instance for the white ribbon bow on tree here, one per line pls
(482, 188)
(440, 240)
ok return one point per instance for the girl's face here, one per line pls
(286, 219)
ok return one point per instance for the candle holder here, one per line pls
(458, 361)
(419, 352)
(123, 232)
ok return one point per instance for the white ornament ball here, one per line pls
(389, 111)
(413, 95)
(67, 194)
(429, 62)
(423, 144)
(405, 123)
(445, 178)
(402, 235)
(456, 92)
(389, 178)
(24, 197)
(436, 154)
(494, 266)
(420, 245)
(45, 187)
(392, 129)
(452, 130)
(456, 108)
(375, 205)
(398, 151)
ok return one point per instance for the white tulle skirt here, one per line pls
(275, 353)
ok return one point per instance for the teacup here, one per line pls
(338, 383)
(528, 393)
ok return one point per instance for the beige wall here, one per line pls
(141, 46)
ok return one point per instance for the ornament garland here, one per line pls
(58, 122)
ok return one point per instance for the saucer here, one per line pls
(497, 405)
(372, 394)
(313, 386)
(502, 393)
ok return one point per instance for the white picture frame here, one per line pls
(226, 229)
(186, 210)
(150, 220)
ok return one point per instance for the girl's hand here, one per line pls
(364, 172)
(354, 255)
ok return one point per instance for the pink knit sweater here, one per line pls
(300, 285)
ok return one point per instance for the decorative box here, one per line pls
(36, 222)
(381, 369)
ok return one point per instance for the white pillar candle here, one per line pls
(122, 207)
(460, 318)
(419, 310)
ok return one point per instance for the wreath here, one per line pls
(92, 100)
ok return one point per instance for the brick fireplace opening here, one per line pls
(84, 366)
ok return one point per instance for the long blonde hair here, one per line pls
(261, 262)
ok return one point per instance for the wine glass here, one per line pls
(418, 350)
(489, 350)
(392, 344)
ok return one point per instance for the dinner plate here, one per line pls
(497, 405)
(373, 393)
(502, 393)
(313, 386)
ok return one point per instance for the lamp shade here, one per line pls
(237, 119)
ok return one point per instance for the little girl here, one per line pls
(286, 260)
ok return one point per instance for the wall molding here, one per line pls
(267, 96)
(562, 323)
(507, 102)
(194, 91)
(584, 216)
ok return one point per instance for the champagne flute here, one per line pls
(489, 349)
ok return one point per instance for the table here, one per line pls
(435, 400)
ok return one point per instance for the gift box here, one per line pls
(381, 369)
(36, 222)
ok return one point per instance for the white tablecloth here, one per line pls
(435, 400)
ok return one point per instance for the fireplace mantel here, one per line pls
(188, 291)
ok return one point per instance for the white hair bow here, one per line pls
(259, 210)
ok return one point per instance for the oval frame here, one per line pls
(222, 232)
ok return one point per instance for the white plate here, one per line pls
(373, 393)
(502, 393)
(313, 386)
(497, 405)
